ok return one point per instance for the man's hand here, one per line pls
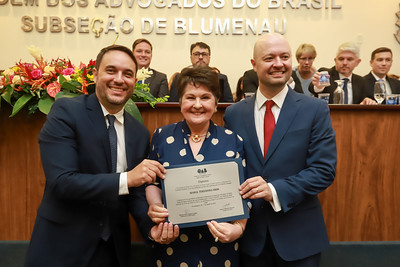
(255, 187)
(368, 101)
(145, 173)
(164, 233)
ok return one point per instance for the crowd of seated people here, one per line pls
(305, 76)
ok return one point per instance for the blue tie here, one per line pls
(346, 95)
(112, 135)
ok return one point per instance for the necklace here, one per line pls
(196, 137)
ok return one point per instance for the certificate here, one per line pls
(197, 193)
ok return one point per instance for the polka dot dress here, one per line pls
(195, 246)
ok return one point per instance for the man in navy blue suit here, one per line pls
(83, 219)
(286, 225)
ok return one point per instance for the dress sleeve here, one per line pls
(153, 154)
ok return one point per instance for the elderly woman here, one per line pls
(195, 139)
(303, 73)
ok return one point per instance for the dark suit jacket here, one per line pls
(370, 82)
(250, 81)
(80, 187)
(300, 163)
(358, 84)
(226, 93)
(158, 84)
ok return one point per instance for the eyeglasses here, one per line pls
(198, 54)
(307, 58)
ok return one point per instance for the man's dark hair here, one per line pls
(201, 45)
(107, 49)
(141, 40)
(380, 50)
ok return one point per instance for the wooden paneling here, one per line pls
(361, 204)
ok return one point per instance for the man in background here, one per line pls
(381, 62)
(158, 82)
(200, 54)
(346, 60)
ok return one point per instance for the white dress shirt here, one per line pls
(121, 153)
(387, 84)
(259, 113)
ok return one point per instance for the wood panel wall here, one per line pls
(361, 205)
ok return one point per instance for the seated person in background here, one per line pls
(195, 139)
(347, 58)
(381, 62)
(200, 54)
(171, 79)
(143, 52)
(250, 81)
(239, 90)
(304, 72)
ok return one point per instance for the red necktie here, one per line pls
(269, 125)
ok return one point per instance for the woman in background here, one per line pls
(303, 73)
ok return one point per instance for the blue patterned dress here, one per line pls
(195, 246)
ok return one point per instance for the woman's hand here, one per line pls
(157, 213)
(226, 232)
(164, 233)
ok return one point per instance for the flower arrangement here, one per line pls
(37, 85)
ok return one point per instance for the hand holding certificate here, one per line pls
(195, 194)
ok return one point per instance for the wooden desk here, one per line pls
(361, 205)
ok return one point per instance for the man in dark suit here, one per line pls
(381, 62)
(286, 171)
(200, 54)
(346, 60)
(83, 219)
(143, 52)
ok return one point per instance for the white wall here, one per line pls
(370, 22)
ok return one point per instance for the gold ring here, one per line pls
(216, 239)
(256, 189)
(163, 240)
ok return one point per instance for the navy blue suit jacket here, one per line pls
(300, 163)
(80, 187)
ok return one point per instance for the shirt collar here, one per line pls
(341, 76)
(119, 116)
(278, 99)
(377, 78)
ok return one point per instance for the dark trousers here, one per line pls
(104, 255)
(270, 258)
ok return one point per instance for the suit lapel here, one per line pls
(96, 116)
(286, 116)
(250, 124)
(130, 137)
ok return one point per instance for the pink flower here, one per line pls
(53, 89)
(68, 71)
(36, 74)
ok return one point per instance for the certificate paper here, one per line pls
(195, 194)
